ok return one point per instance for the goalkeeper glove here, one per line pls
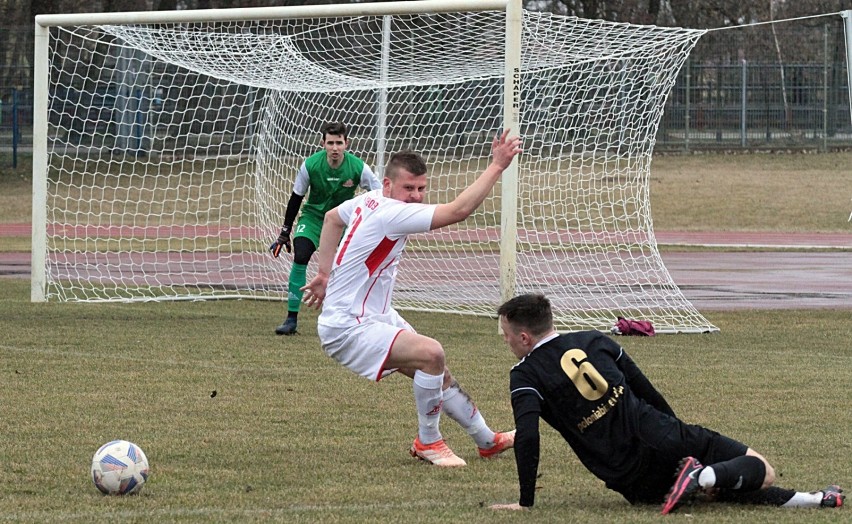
(283, 241)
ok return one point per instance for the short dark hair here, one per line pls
(408, 160)
(334, 128)
(531, 311)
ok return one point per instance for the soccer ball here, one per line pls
(119, 468)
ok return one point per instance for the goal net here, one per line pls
(172, 149)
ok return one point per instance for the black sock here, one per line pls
(770, 496)
(744, 473)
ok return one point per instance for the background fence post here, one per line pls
(686, 112)
(719, 106)
(847, 29)
(765, 72)
(139, 123)
(16, 131)
(824, 142)
(744, 82)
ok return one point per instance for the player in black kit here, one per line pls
(621, 428)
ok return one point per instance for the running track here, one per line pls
(711, 280)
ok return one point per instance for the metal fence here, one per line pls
(16, 121)
(758, 106)
(734, 93)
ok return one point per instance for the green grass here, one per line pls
(292, 436)
(16, 189)
(758, 192)
(710, 192)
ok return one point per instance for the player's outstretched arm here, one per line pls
(332, 230)
(503, 151)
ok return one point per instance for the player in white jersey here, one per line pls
(354, 284)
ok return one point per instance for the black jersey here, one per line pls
(589, 390)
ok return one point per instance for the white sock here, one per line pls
(428, 400)
(804, 500)
(707, 477)
(459, 407)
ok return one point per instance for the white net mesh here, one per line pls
(173, 148)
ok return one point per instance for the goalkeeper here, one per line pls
(331, 175)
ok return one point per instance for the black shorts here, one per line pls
(669, 440)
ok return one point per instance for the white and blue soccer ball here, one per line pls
(119, 468)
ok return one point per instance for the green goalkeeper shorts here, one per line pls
(310, 228)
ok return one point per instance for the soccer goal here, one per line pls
(166, 144)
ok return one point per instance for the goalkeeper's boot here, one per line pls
(502, 442)
(832, 497)
(437, 453)
(685, 485)
(288, 327)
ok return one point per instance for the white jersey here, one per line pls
(363, 272)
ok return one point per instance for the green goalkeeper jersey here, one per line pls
(329, 187)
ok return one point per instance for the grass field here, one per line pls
(759, 192)
(712, 192)
(291, 436)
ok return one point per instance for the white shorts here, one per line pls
(364, 348)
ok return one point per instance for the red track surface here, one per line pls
(711, 280)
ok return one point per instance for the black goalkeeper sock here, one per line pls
(744, 473)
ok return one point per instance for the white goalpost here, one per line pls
(165, 145)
